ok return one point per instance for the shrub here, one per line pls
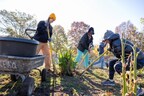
(66, 62)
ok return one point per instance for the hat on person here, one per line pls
(52, 16)
(107, 34)
(91, 29)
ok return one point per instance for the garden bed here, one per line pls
(87, 85)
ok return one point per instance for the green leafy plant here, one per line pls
(66, 62)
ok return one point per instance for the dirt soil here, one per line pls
(87, 85)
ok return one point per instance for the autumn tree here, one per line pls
(126, 29)
(129, 31)
(76, 32)
(14, 23)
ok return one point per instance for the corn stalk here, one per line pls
(124, 89)
(129, 83)
(135, 69)
(130, 79)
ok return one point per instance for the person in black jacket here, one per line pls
(83, 46)
(43, 35)
(114, 41)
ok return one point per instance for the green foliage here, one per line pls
(14, 23)
(66, 62)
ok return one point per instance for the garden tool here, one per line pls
(51, 58)
(81, 60)
(50, 44)
(93, 63)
